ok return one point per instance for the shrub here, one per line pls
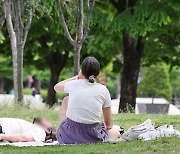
(155, 82)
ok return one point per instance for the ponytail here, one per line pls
(91, 79)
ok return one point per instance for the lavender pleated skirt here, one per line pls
(71, 132)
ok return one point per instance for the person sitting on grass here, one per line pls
(19, 130)
(80, 116)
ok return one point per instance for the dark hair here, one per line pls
(90, 68)
(50, 137)
(36, 120)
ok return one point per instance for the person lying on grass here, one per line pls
(80, 116)
(19, 130)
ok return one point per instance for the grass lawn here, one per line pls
(164, 145)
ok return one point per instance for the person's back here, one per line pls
(86, 101)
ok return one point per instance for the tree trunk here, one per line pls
(132, 58)
(17, 34)
(77, 50)
(19, 74)
(56, 63)
(51, 96)
(1, 85)
(131, 66)
(15, 68)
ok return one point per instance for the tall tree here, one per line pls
(49, 45)
(56, 59)
(81, 32)
(137, 20)
(18, 25)
(133, 49)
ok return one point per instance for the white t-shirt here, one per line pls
(19, 126)
(86, 101)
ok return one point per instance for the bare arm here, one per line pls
(16, 137)
(59, 87)
(108, 118)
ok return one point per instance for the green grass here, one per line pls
(164, 145)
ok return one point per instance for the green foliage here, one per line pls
(158, 21)
(103, 43)
(111, 85)
(155, 82)
(42, 75)
(2, 38)
(175, 81)
(111, 82)
(5, 67)
(146, 17)
(163, 46)
(45, 37)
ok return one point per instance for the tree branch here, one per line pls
(13, 9)
(28, 25)
(2, 18)
(64, 23)
(17, 21)
(10, 27)
(80, 21)
(20, 14)
(90, 8)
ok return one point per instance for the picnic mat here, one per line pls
(144, 131)
(28, 144)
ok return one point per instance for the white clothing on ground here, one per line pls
(19, 126)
